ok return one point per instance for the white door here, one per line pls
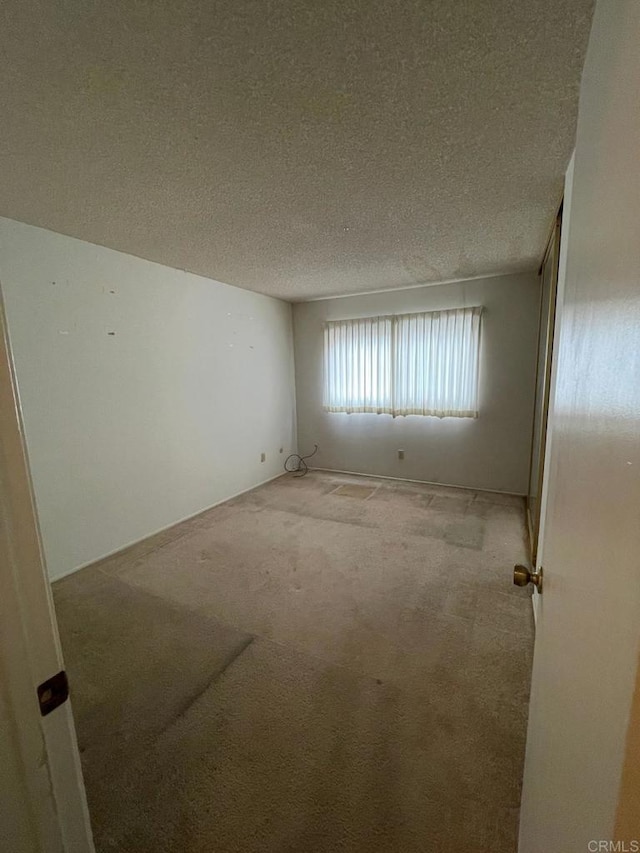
(42, 801)
(588, 627)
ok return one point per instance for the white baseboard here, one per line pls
(421, 482)
(162, 529)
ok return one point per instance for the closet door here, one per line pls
(548, 288)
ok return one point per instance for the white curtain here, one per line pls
(407, 364)
(436, 363)
(357, 365)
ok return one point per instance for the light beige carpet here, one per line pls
(307, 668)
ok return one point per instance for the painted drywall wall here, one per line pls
(148, 394)
(490, 452)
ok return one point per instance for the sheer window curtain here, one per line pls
(436, 363)
(358, 366)
(407, 364)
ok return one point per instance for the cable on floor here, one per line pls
(298, 466)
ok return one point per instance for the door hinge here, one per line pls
(53, 692)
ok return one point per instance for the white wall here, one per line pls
(132, 431)
(491, 452)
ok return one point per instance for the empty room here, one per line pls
(319, 416)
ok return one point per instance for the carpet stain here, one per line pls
(426, 527)
(336, 515)
(352, 490)
(466, 533)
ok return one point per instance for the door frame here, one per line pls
(548, 474)
(553, 248)
(50, 794)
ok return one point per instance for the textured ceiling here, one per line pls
(299, 148)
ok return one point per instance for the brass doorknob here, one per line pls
(522, 576)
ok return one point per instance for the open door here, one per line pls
(579, 794)
(41, 789)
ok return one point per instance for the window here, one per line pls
(406, 364)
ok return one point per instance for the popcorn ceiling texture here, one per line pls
(301, 148)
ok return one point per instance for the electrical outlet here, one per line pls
(263, 457)
(401, 454)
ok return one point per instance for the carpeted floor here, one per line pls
(327, 663)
